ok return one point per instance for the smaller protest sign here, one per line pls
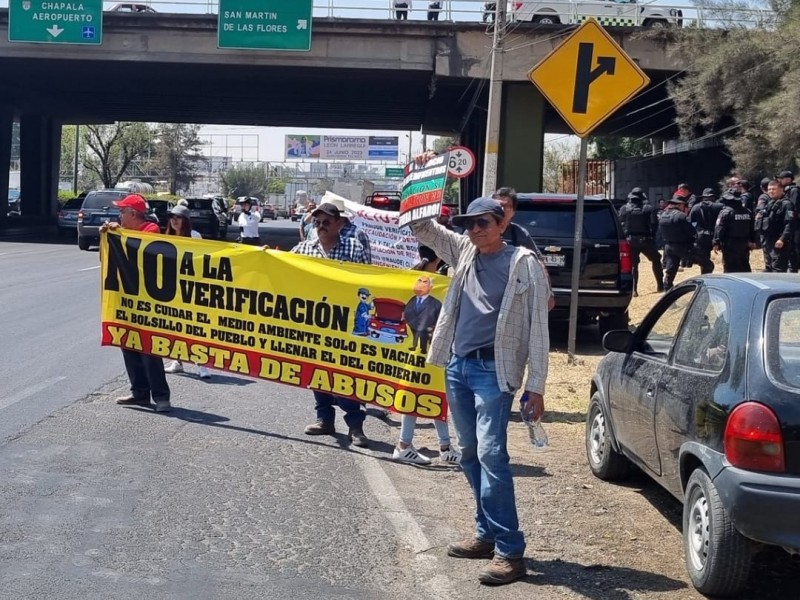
(423, 190)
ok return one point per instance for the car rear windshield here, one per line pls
(557, 220)
(199, 203)
(73, 204)
(783, 341)
(102, 199)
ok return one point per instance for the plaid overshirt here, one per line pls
(351, 231)
(522, 337)
(347, 250)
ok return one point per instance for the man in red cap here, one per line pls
(145, 372)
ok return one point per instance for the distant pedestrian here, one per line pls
(734, 234)
(180, 223)
(328, 243)
(145, 372)
(792, 193)
(747, 199)
(703, 217)
(434, 8)
(489, 12)
(760, 225)
(778, 223)
(640, 225)
(401, 9)
(249, 220)
(444, 218)
(306, 226)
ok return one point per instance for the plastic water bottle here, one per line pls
(536, 432)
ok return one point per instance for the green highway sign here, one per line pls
(394, 172)
(45, 22)
(264, 24)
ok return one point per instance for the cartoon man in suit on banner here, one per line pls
(421, 313)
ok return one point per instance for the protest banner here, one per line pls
(390, 245)
(423, 190)
(312, 323)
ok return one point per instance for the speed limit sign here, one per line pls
(461, 162)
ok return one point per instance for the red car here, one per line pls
(388, 320)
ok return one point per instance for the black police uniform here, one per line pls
(777, 223)
(792, 193)
(640, 223)
(734, 233)
(679, 237)
(703, 217)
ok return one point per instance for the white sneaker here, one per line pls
(203, 373)
(174, 367)
(409, 455)
(450, 456)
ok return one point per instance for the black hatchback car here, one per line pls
(606, 281)
(704, 397)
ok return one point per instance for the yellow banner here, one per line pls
(318, 324)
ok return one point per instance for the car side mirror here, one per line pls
(618, 340)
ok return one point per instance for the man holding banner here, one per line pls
(493, 324)
(328, 223)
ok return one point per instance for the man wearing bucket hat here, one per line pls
(640, 224)
(145, 372)
(349, 230)
(328, 222)
(492, 326)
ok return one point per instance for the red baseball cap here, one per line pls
(134, 201)
(445, 211)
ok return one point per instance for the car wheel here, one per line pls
(611, 322)
(604, 461)
(717, 556)
(83, 243)
(656, 24)
(547, 20)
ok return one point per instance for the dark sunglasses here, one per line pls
(482, 223)
(322, 222)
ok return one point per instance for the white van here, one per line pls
(614, 13)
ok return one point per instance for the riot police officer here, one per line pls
(758, 223)
(792, 193)
(703, 217)
(679, 237)
(640, 223)
(734, 234)
(777, 226)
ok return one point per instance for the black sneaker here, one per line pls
(358, 438)
(131, 400)
(320, 428)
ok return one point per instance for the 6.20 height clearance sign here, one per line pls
(318, 324)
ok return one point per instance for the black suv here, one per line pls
(606, 281)
(97, 208)
(205, 220)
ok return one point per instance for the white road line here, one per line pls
(30, 391)
(408, 531)
(89, 268)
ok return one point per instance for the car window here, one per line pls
(659, 338)
(103, 199)
(782, 346)
(703, 340)
(73, 204)
(558, 220)
(198, 204)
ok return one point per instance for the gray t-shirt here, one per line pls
(484, 285)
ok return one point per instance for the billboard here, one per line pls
(342, 147)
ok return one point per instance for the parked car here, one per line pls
(68, 216)
(297, 213)
(205, 219)
(97, 208)
(268, 212)
(282, 213)
(606, 280)
(704, 397)
(160, 208)
(14, 203)
(384, 200)
(620, 13)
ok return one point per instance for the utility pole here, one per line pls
(495, 102)
(75, 159)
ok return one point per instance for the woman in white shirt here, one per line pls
(180, 223)
(249, 220)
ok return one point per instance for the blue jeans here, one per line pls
(408, 422)
(480, 413)
(324, 404)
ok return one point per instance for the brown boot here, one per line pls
(503, 570)
(131, 400)
(471, 548)
(321, 428)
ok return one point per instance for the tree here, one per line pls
(556, 154)
(112, 148)
(612, 148)
(276, 185)
(177, 154)
(246, 180)
(742, 88)
(441, 144)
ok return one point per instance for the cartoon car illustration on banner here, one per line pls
(387, 324)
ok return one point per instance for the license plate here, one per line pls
(554, 260)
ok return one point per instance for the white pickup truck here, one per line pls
(619, 13)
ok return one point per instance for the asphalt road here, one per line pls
(224, 497)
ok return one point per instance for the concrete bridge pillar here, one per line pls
(40, 150)
(6, 124)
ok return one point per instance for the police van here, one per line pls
(613, 13)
